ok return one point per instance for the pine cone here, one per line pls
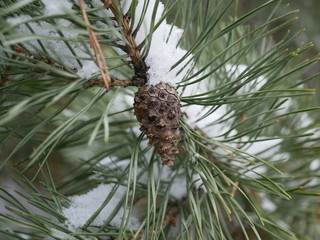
(157, 108)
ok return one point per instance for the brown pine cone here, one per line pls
(157, 108)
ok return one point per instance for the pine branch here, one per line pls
(131, 48)
(248, 156)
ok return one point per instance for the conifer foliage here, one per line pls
(149, 119)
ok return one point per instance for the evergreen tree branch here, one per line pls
(131, 47)
(114, 82)
(233, 93)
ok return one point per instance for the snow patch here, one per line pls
(18, 19)
(54, 47)
(315, 164)
(163, 52)
(305, 120)
(83, 206)
(198, 183)
(263, 149)
(252, 85)
(179, 187)
(59, 235)
(88, 69)
(114, 163)
(284, 107)
(56, 6)
(267, 204)
(209, 124)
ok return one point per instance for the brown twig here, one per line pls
(91, 83)
(171, 216)
(96, 48)
(21, 51)
(114, 83)
(5, 78)
(132, 49)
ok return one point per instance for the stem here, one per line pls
(114, 82)
(132, 49)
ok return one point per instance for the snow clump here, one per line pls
(164, 51)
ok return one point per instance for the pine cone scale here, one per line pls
(157, 108)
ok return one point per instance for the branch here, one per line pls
(114, 82)
(132, 48)
(6, 78)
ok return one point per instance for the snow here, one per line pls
(267, 204)
(113, 163)
(198, 183)
(54, 47)
(208, 124)
(24, 236)
(284, 107)
(107, 161)
(263, 149)
(59, 235)
(124, 101)
(178, 178)
(56, 6)
(211, 124)
(88, 69)
(305, 120)
(18, 19)
(163, 52)
(315, 164)
(252, 173)
(236, 71)
(214, 124)
(163, 55)
(68, 113)
(103, 13)
(84, 206)
(179, 187)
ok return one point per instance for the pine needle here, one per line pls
(96, 48)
